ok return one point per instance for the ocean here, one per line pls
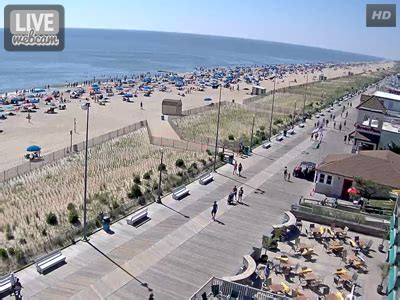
(100, 52)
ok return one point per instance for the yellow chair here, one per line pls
(282, 258)
(339, 296)
(321, 230)
(352, 243)
(306, 270)
(285, 288)
(340, 271)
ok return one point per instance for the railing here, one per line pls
(226, 287)
(57, 155)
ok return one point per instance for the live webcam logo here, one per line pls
(34, 28)
(381, 15)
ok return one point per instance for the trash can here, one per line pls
(246, 150)
(106, 223)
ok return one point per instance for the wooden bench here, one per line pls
(180, 192)
(302, 125)
(6, 283)
(137, 216)
(290, 131)
(266, 145)
(49, 260)
(206, 178)
(279, 137)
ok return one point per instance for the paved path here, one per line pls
(180, 248)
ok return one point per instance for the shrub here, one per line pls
(11, 251)
(180, 163)
(179, 173)
(71, 206)
(73, 216)
(136, 179)
(221, 156)
(20, 256)
(22, 241)
(231, 137)
(155, 185)
(203, 161)
(51, 219)
(135, 192)
(115, 204)
(194, 166)
(3, 254)
(162, 167)
(146, 176)
(262, 128)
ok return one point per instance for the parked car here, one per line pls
(306, 170)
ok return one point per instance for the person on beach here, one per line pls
(214, 210)
(235, 191)
(334, 125)
(240, 198)
(234, 168)
(285, 173)
(240, 167)
(141, 105)
(29, 117)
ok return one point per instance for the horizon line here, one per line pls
(235, 37)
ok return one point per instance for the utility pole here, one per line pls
(272, 110)
(216, 137)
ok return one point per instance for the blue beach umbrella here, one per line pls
(33, 148)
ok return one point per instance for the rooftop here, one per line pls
(373, 103)
(386, 95)
(379, 166)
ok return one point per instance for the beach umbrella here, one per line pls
(30, 96)
(33, 148)
(352, 190)
(207, 99)
(38, 90)
(9, 107)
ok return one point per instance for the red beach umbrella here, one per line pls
(352, 190)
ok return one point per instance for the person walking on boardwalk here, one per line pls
(345, 138)
(235, 191)
(240, 198)
(141, 105)
(240, 168)
(340, 126)
(235, 165)
(285, 173)
(214, 210)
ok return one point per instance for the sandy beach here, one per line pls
(52, 131)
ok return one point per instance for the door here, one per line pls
(347, 183)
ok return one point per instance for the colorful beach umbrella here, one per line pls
(352, 190)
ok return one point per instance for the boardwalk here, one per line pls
(180, 248)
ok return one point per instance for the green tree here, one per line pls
(368, 189)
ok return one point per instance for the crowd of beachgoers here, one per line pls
(128, 87)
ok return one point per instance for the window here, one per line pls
(329, 179)
(321, 178)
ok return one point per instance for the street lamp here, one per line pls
(252, 130)
(272, 110)
(85, 106)
(159, 180)
(305, 97)
(70, 149)
(216, 136)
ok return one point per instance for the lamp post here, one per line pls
(272, 110)
(159, 179)
(85, 106)
(252, 130)
(216, 136)
(305, 97)
(70, 149)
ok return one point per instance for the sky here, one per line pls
(335, 24)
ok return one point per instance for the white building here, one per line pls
(378, 122)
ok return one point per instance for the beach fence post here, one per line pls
(216, 136)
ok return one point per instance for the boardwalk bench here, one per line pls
(301, 125)
(290, 131)
(49, 260)
(279, 137)
(137, 216)
(6, 283)
(180, 192)
(267, 145)
(206, 178)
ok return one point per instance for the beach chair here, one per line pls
(367, 247)
(285, 288)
